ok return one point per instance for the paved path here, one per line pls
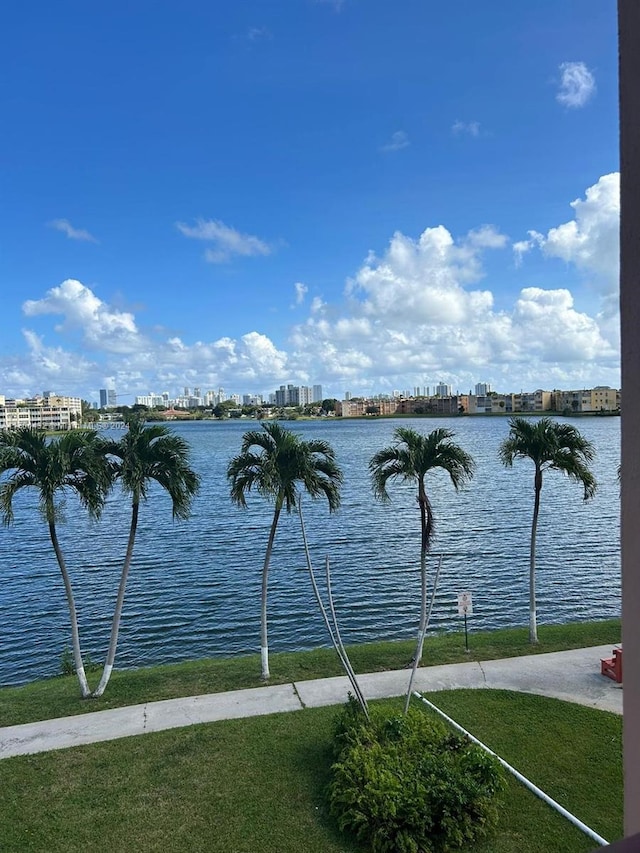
(573, 676)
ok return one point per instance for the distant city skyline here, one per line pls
(293, 395)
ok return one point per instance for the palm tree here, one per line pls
(551, 446)
(143, 455)
(277, 462)
(410, 458)
(70, 464)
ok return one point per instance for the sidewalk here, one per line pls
(573, 676)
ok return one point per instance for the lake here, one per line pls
(194, 586)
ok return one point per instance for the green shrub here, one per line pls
(405, 784)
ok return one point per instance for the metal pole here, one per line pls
(534, 788)
(466, 636)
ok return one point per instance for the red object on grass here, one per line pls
(612, 667)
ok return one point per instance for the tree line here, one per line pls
(280, 467)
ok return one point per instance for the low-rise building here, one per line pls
(359, 406)
(51, 412)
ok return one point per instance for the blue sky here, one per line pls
(366, 195)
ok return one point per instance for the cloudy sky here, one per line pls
(358, 193)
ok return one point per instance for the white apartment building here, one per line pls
(252, 399)
(297, 395)
(52, 412)
(151, 400)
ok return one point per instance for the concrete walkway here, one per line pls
(573, 676)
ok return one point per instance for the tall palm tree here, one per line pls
(143, 455)
(70, 464)
(277, 462)
(410, 458)
(551, 446)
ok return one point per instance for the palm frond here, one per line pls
(153, 453)
(551, 446)
(413, 455)
(276, 462)
(69, 463)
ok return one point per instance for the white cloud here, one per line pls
(420, 310)
(487, 237)
(135, 361)
(101, 326)
(258, 34)
(301, 291)
(422, 280)
(72, 233)
(415, 313)
(227, 241)
(549, 327)
(43, 367)
(577, 85)
(590, 240)
(398, 141)
(468, 128)
(523, 247)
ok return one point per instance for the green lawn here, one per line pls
(58, 697)
(258, 785)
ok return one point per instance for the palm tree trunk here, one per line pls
(264, 643)
(117, 614)
(75, 636)
(533, 626)
(426, 527)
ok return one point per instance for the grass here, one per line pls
(59, 697)
(258, 785)
(572, 752)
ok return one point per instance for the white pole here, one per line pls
(421, 635)
(537, 791)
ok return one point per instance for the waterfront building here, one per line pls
(359, 406)
(598, 399)
(52, 412)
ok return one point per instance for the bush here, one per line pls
(405, 784)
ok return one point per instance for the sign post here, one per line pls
(465, 608)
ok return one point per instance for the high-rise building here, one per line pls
(443, 390)
(317, 394)
(103, 398)
(111, 397)
(482, 389)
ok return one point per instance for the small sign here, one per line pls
(465, 604)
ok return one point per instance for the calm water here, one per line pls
(194, 586)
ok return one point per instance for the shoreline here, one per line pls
(58, 696)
